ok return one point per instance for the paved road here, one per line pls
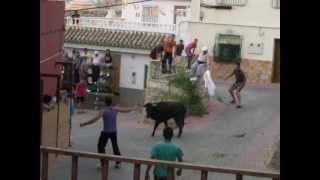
(230, 137)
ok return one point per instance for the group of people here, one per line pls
(86, 70)
(163, 150)
(169, 51)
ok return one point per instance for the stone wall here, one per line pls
(257, 72)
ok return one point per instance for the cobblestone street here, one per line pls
(227, 137)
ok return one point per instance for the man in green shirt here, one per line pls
(166, 151)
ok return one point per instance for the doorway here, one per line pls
(276, 62)
(179, 14)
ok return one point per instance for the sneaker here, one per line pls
(193, 79)
(239, 106)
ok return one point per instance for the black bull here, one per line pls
(163, 111)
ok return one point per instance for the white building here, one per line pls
(130, 37)
(251, 25)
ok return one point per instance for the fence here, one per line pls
(204, 169)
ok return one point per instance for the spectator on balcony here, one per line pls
(166, 151)
(198, 68)
(96, 66)
(78, 61)
(86, 56)
(169, 48)
(189, 50)
(75, 17)
(108, 58)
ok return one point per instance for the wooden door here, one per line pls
(116, 63)
(276, 62)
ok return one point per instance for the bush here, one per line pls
(187, 94)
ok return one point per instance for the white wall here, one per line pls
(133, 63)
(166, 6)
(255, 12)
(257, 22)
(207, 32)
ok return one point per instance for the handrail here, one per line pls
(139, 161)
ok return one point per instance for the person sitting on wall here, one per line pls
(75, 17)
(199, 67)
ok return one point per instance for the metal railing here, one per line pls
(96, 22)
(137, 162)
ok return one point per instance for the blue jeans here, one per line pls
(197, 69)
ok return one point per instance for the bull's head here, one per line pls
(149, 107)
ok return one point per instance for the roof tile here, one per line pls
(115, 38)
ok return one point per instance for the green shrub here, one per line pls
(188, 93)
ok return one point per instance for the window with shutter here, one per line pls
(227, 48)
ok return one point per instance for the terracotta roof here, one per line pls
(113, 38)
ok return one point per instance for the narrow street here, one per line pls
(227, 137)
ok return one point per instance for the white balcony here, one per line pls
(95, 22)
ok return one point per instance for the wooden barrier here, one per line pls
(137, 162)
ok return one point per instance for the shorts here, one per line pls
(238, 86)
(80, 99)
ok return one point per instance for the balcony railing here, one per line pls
(232, 2)
(119, 25)
(137, 163)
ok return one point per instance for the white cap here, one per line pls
(204, 48)
(96, 52)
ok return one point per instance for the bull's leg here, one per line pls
(180, 124)
(180, 130)
(166, 123)
(155, 127)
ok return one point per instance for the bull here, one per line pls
(163, 111)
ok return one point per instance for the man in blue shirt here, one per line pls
(109, 117)
(166, 151)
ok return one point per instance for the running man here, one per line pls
(166, 151)
(109, 116)
(237, 86)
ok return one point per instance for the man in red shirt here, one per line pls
(190, 48)
(169, 48)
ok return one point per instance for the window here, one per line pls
(227, 48)
(231, 2)
(276, 4)
(150, 14)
